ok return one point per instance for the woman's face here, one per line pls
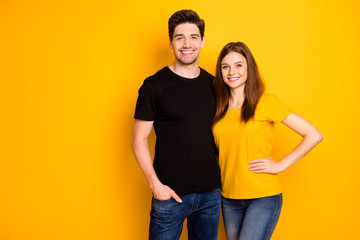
(234, 70)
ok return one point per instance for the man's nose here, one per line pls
(186, 43)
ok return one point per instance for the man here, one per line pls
(178, 101)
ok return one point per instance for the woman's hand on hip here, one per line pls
(265, 165)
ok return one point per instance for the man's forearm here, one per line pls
(143, 158)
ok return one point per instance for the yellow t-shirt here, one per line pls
(239, 143)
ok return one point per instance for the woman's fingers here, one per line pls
(263, 165)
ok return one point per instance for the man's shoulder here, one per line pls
(206, 74)
(159, 76)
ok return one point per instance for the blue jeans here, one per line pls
(202, 211)
(251, 219)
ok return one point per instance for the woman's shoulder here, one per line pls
(267, 97)
(271, 105)
(268, 102)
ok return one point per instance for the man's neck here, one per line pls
(186, 71)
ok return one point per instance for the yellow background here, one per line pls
(70, 71)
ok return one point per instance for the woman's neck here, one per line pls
(237, 97)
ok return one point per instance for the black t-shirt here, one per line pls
(182, 110)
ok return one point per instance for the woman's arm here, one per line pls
(311, 137)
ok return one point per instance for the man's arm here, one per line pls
(142, 130)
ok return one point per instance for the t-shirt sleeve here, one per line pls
(145, 105)
(276, 110)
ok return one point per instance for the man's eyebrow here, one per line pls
(182, 35)
(179, 35)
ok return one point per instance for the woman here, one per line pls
(243, 131)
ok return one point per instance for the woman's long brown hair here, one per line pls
(254, 85)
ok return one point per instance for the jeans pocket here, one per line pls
(274, 197)
(165, 209)
(162, 200)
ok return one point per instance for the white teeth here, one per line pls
(186, 52)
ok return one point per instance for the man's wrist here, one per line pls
(153, 181)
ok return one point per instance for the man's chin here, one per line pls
(187, 62)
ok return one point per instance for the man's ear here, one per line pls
(170, 43)
(203, 42)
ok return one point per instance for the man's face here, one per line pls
(187, 43)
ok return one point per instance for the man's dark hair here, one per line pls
(185, 16)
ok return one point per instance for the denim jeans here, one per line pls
(251, 219)
(202, 211)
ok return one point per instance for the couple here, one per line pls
(189, 109)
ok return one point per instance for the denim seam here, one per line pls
(272, 219)
(195, 203)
